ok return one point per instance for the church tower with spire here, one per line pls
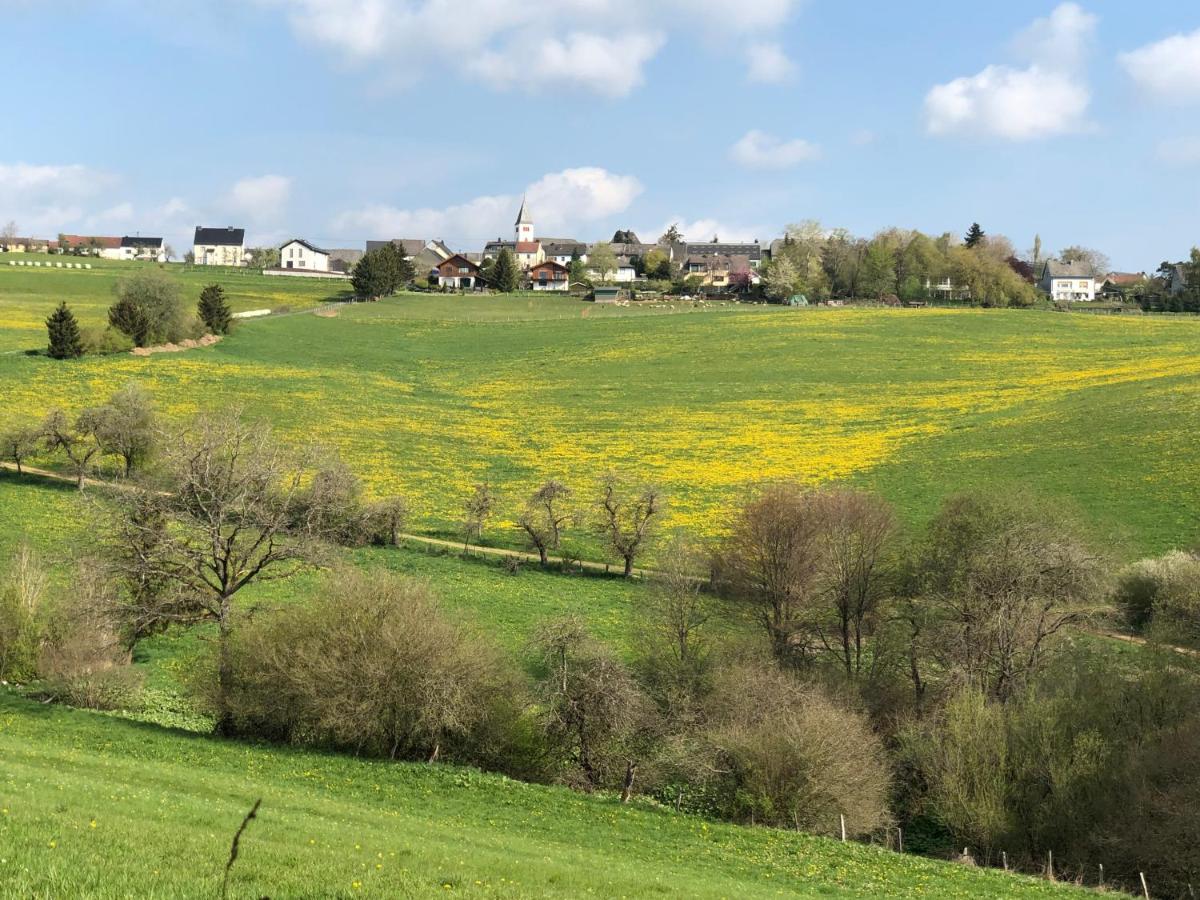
(524, 225)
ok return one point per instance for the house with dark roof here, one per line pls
(151, 249)
(344, 260)
(219, 246)
(1072, 282)
(753, 252)
(300, 254)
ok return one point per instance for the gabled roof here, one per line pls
(304, 243)
(564, 248)
(550, 264)
(458, 260)
(523, 216)
(722, 248)
(1076, 269)
(220, 237)
(135, 242)
(528, 246)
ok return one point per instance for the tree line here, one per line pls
(149, 309)
(817, 663)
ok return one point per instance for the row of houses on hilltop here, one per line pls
(133, 247)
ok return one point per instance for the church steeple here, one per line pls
(524, 224)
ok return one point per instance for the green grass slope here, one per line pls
(99, 807)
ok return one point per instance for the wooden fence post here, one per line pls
(1004, 856)
(843, 818)
(1145, 887)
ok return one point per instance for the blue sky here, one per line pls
(343, 120)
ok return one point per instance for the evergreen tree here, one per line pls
(65, 342)
(505, 277)
(127, 317)
(381, 272)
(213, 310)
(974, 236)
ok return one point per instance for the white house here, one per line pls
(1068, 282)
(300, 254)
(147, 248)
(219, 246)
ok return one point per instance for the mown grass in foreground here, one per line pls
(96, 806)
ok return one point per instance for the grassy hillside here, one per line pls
(28, 294)
(425, 395)
(99, 807)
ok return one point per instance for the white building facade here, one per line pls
(300, 254)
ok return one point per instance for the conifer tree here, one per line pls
(505, 277)
(974, 236)
(128, 318)
(65, 342)
(213, 310)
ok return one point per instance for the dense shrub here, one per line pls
(374, 666)
(1163, 595)
(23, 613)
(788, 755)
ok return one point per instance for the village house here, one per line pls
(719, 270)
(90, 245)
(219, 246)
(1068, 282)
(300, 254)
(550, 275)
(25, 245)
(458, 273)
(564, 250)
(150, 249)
(344, 260)
(751, 252)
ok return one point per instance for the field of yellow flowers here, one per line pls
(426, 395)
(94, 806)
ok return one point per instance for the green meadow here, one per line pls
(97, 806)
(425, 395)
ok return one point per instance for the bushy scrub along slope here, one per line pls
(100, 807)
(425, 396)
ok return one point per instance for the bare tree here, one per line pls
(626, 516)
(125, 426)
(593, 711)
(771, 563)
(9, 231)
(478, 509)
(854, 577)
(1000, 578)
(75, 439)
(545, 516)
(18, 443)
(238, 513)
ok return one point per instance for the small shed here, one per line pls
(606, 294)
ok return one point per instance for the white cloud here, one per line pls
(44, 199)
(1183, 151)
(262, 198)
(770, 65)
(558, 201)
(517, 44)
(699, 231)
(608, 66)
(759, 150)
(1169, 69)
(1049, 97)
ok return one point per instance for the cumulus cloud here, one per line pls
(759, 150)
(44, 199)
(1168, 70)
(1048, 97)
(516, 44)
(611, 66)
(261, 198)
(703, 230)
(770, 65)
(558, 201)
